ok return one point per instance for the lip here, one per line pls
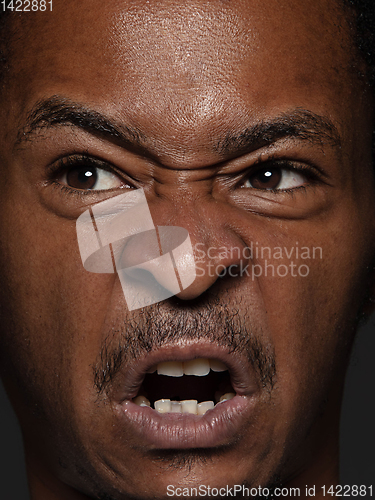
(217, 427)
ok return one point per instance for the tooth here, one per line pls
(141, 401)
(197, 367)
(163, 405)
(226, 396)
(217, 366)
(176, 407)
(189, 406)
(203, 407)
(170, 368)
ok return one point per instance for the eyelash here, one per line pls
(62, 166)
(312, 176)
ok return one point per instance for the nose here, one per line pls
(170, 260)
(156, 262)
(161, 260)
(217, 248)
(214, 260)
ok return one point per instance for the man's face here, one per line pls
(244, 124)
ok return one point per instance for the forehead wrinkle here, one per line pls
(186, 35)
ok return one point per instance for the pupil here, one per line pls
(266, 179)
(82, 177)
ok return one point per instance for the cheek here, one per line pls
(52, 310)
(53, 325)
(312, 311)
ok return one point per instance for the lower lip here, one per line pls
(217, 427)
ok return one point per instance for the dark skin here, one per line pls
(183, 79)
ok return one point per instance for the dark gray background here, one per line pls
(357, 436)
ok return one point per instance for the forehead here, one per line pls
(196, 68)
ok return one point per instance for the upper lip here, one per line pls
(243, 375)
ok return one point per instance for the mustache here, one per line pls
(158, 325)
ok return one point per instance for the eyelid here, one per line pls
(76, 159)
(312, 173)
(288, 164)
(61, 165)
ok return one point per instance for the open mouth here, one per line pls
(196, 395)
(193, 386)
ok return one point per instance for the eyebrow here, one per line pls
(299, 123)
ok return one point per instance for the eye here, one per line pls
(87, 174)
(275, 178)
(93, 178)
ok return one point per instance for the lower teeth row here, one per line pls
(188, 406)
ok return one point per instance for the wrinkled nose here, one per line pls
(154, 262)
(164, 262)
(215, 246)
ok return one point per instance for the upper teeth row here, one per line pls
(198, 367)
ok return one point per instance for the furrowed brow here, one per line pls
(299, 124)
(57, 111)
